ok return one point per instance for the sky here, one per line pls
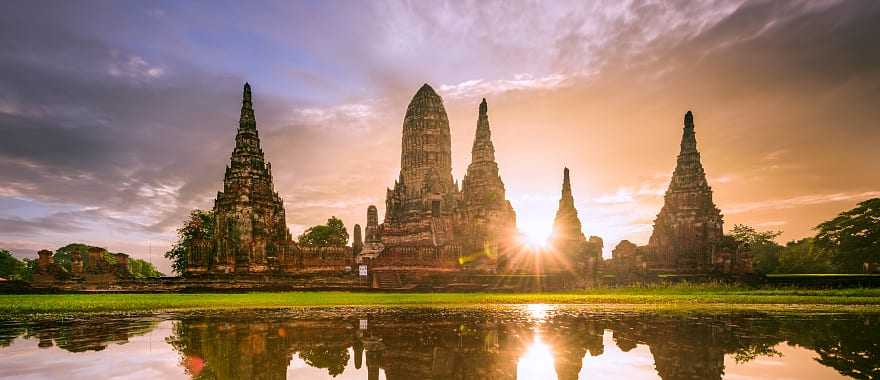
(118, 118)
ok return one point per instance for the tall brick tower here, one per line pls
(567, 224)
(484, 201)
(689, 225)
(250, 232)
(419, 207)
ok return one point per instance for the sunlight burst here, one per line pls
(535, 237)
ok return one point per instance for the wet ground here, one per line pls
(517, 342)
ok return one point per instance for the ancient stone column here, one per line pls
(372, 232)
(358, 244)
(121, 262)
(44, 260)
(94, 261)
(76, 263)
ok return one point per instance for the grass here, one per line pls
(796, 275)
(682, 296)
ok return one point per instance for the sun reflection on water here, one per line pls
(537, 362)
(538, 311)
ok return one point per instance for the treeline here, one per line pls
(849, 243)
(12, 268)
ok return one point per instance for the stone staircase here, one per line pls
(389, 281)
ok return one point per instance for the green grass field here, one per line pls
(675, 296)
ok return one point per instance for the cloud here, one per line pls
(521, 82)
(799, 201)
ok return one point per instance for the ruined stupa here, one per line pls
(566, 224)
(250, 232)
(485, 206)
(418, 210)
(689, 225)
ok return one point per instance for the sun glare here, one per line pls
(535, 237)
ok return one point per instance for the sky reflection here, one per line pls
(552, 343)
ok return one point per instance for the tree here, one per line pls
(11, 268)
(762, 245)
(200, 225)
(803, 256)
(331, 234)
(142, 269)
(853, 237)
(62, 255)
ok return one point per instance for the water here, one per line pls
(528, 342)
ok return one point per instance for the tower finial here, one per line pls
(689, 119)
(247, 121)
(566, 180)
(484, 108)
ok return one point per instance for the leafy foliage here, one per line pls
(199, 226)
(142, 269)
(331, 234)
(11, 268)
(331, 358)
(853, 236)
(762, 245)
(803, 256)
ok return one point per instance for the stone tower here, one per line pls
(358, 243)
(566, 225)
(689, 225)
(250, 231)
(418, 209)
(372, 231)
(485, 204)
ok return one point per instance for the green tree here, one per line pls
(142, 269)
(200, 225)
(62, 255)
(803, 256)
(331, 234)
(853, 237)
(762, 245)
(11, 268)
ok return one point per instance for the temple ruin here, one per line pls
(250, 231)
(430, 224)
(689, 226)
(435, 230)
(688, 231)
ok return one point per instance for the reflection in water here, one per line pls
(537, 362)
(536, 341)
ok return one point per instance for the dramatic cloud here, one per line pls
(117, 119)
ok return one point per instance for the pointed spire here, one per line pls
(567, 225)
(247, 120)
(247, 140)
(566, 182)
(483, 149)
(688, 137)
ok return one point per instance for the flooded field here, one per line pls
(517, 342)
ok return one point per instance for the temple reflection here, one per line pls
(537, 342)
